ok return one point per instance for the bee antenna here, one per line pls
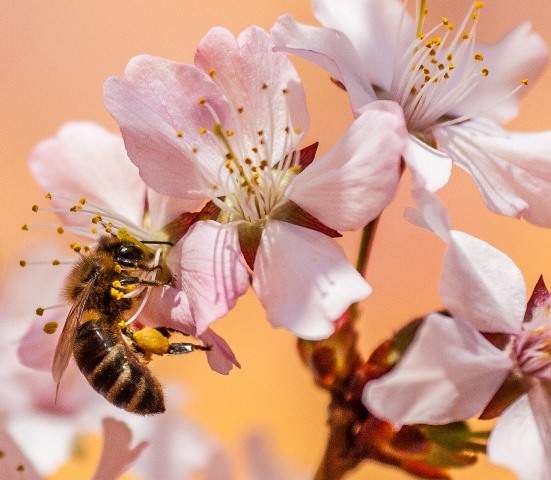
(157, 242)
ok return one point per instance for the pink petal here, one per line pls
(304, 280)
(512, 170)
(430, 168)
(85, 160)
(14, 464)
(449, 373)
(483, 285)
(253, 77)
(117, 456)
(157, 108)
(331, 50)
(351, 184)
(373, 27)
(516, 441)
(163, 209)
(221, 357)
(522, 53)
(209, 268)
(432, 214)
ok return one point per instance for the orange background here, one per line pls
(55, 56)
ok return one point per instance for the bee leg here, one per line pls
(179, 348)
(146, 283)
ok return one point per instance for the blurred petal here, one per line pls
(117, 456)
(304, 280)
(351, 184)
(331, 50)
(14, 465)
(449, 373)
(512, 170)
(432, 214)
(221, 357)
(482, 285)
(516, 441)
(85, 160)
(209, 268)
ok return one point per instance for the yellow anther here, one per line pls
(445, 21)
(240, 110)
(451, 66)
(23, 263)
(60, 230)
(96, 219)
(202, 131)
(118, 268)
(441, 66)
(260, 133)
(48, 196)
(295, 169)
(94, 230)
(254, 149)
(449, 26)
(108, 228)
(82, 201)
(229, 133)
(55, 262)
(475, 16)
(50, 327)
(73, 208)
(122, 324)
(297, 130)
(194, 149)
(414, 91)
(478, 57)
(25, 227)
(478, 5)
(248, 161)
(485, 72)
(130, 288)
(420, 36)
(285, 91)
(446, 75)
(39, 311)
(117, 284)
(212, 72)
(449, 57)
(466, 36)
(524, 81)
(202, 101)
(35, 208)
(264, 86)
(179, 134)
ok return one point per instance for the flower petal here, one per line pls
(331, 50)
(351, 184)
(430, 168)
(483, 285)
(14, 464)
(221, 357)
(304, 280)
(522, 53)
(512, 170)
(85, 160)
(209, 268)
(157, 108)
(254, 78)
(516, 441)
(163, 209)
(116, 456)
(448, 373)
(373, 27)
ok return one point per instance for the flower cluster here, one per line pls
(209, 190)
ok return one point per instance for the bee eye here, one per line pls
(129, 252)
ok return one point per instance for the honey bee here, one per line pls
(110, 355)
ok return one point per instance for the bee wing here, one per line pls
(64, 347)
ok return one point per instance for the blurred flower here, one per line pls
(454, 93)
(225, 131)
(451, 371)
(84, 161)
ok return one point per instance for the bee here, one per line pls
(110, 355)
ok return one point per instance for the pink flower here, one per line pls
(454, 93)
(451, 371)
(226, 131)
(86, 162)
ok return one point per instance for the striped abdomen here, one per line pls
(114, 370)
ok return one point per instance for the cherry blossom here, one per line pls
(454, 92)
(97, 190)
(225, 131)
(451, 372)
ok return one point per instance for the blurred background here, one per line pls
(55, 57)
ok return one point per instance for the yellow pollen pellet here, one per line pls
(48, 196)
(39, 311)
(60, 230)
(50, 327)
(230, 133)
(55, 262)
(524, 81)
(202, 101)
(179, 134)
(478, 57)
(212, 73)
(23, 263)
(35, 208)
(466, 36)
(202, 131)
(118, 268)
(485, 72)
(117, 284)
(131, 288)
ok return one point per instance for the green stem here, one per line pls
(366, 244)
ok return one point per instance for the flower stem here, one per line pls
(366, 244)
